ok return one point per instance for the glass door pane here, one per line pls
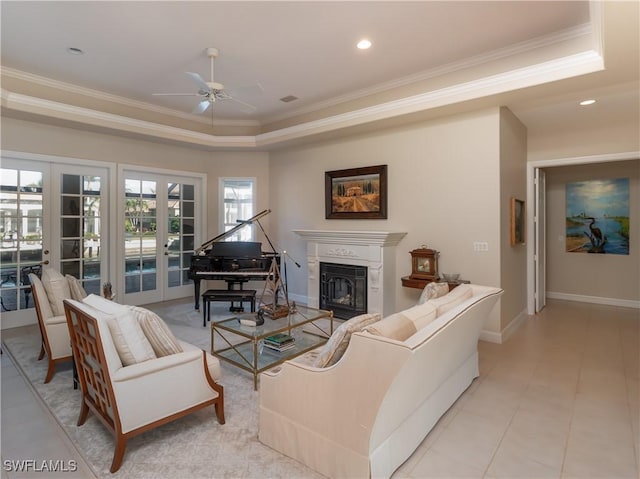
(80, 227)
(140, 236)
(180, 233)
(21, 235)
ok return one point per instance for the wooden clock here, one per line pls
(424, 264)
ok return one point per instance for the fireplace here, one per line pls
(373, 250)
(343, 289)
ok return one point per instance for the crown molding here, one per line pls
(558, 69)
(546, 41)
(86, 116)
(579, 64)
(127, 102)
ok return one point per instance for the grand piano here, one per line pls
(235, 262)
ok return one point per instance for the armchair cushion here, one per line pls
(333, 349)
(57, 290)
(157, 332)
(129, 339)
(75, 287)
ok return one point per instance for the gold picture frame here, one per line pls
(356, 193)
(517, 221)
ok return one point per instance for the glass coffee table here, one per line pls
(243, 346)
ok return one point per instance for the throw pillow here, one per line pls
(156, 331)
(433, 290)
(75, 287)
(337, 344)
(57, 290)
(129, 339)
(397, 326)
(457, 296)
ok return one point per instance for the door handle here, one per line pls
(45, 262)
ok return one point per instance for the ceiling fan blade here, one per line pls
(175, 94)
(246, 107)
(246, 90)
(201, 107)
(202, 85)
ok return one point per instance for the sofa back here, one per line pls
(437, 351)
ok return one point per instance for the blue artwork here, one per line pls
(598, 216)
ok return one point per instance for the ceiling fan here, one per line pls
(210, 92)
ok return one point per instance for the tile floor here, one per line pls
(559, 399)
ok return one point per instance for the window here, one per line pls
(238, 203)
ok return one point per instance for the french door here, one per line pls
(160, 235)
(54, 215)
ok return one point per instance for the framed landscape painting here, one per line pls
(356, 193)
(597, 218)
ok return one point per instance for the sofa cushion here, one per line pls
(75, 287)
(156, 331)
(397, 326)
(421, 314)
(129, 339)
(457, 296)
(337, 344)
(57, 290)
(433, 290)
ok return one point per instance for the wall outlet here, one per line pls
(480, 246)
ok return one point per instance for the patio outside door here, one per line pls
(53, 216)
(160, 235)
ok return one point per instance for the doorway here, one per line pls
(536, 267)
(160, 234)
(55, 214)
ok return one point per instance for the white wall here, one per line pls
(444, 191)
(592, 275)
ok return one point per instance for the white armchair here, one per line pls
(53, 328)
(132, 399)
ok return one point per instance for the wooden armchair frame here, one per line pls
(98, 394)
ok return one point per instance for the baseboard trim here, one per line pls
(625, 303)
(506, 333)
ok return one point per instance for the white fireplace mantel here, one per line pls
(373, 249)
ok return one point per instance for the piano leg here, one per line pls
(196, 286)
(230, 286)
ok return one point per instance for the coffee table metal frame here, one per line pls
(251, 355)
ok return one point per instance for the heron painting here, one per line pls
(597, 218)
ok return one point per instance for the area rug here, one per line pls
(192, 447)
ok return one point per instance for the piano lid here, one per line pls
(241, 224)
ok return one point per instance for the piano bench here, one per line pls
(231, 295)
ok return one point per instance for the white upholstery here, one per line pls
(365, 415)
(56, 331)
(132, 399)
(149, 391)
(57, 288)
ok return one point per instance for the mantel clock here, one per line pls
(424, 264)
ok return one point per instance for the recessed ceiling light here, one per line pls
(587, 102)
(75, 51)
(364, 44)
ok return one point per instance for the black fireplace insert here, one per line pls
(343, 289)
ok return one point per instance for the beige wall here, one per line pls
(444, 191)
(513, 259)
(600, 276)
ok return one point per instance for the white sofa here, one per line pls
(366, 414)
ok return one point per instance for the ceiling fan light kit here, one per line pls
(211, 91)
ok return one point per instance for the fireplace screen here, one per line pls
(343, 289)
